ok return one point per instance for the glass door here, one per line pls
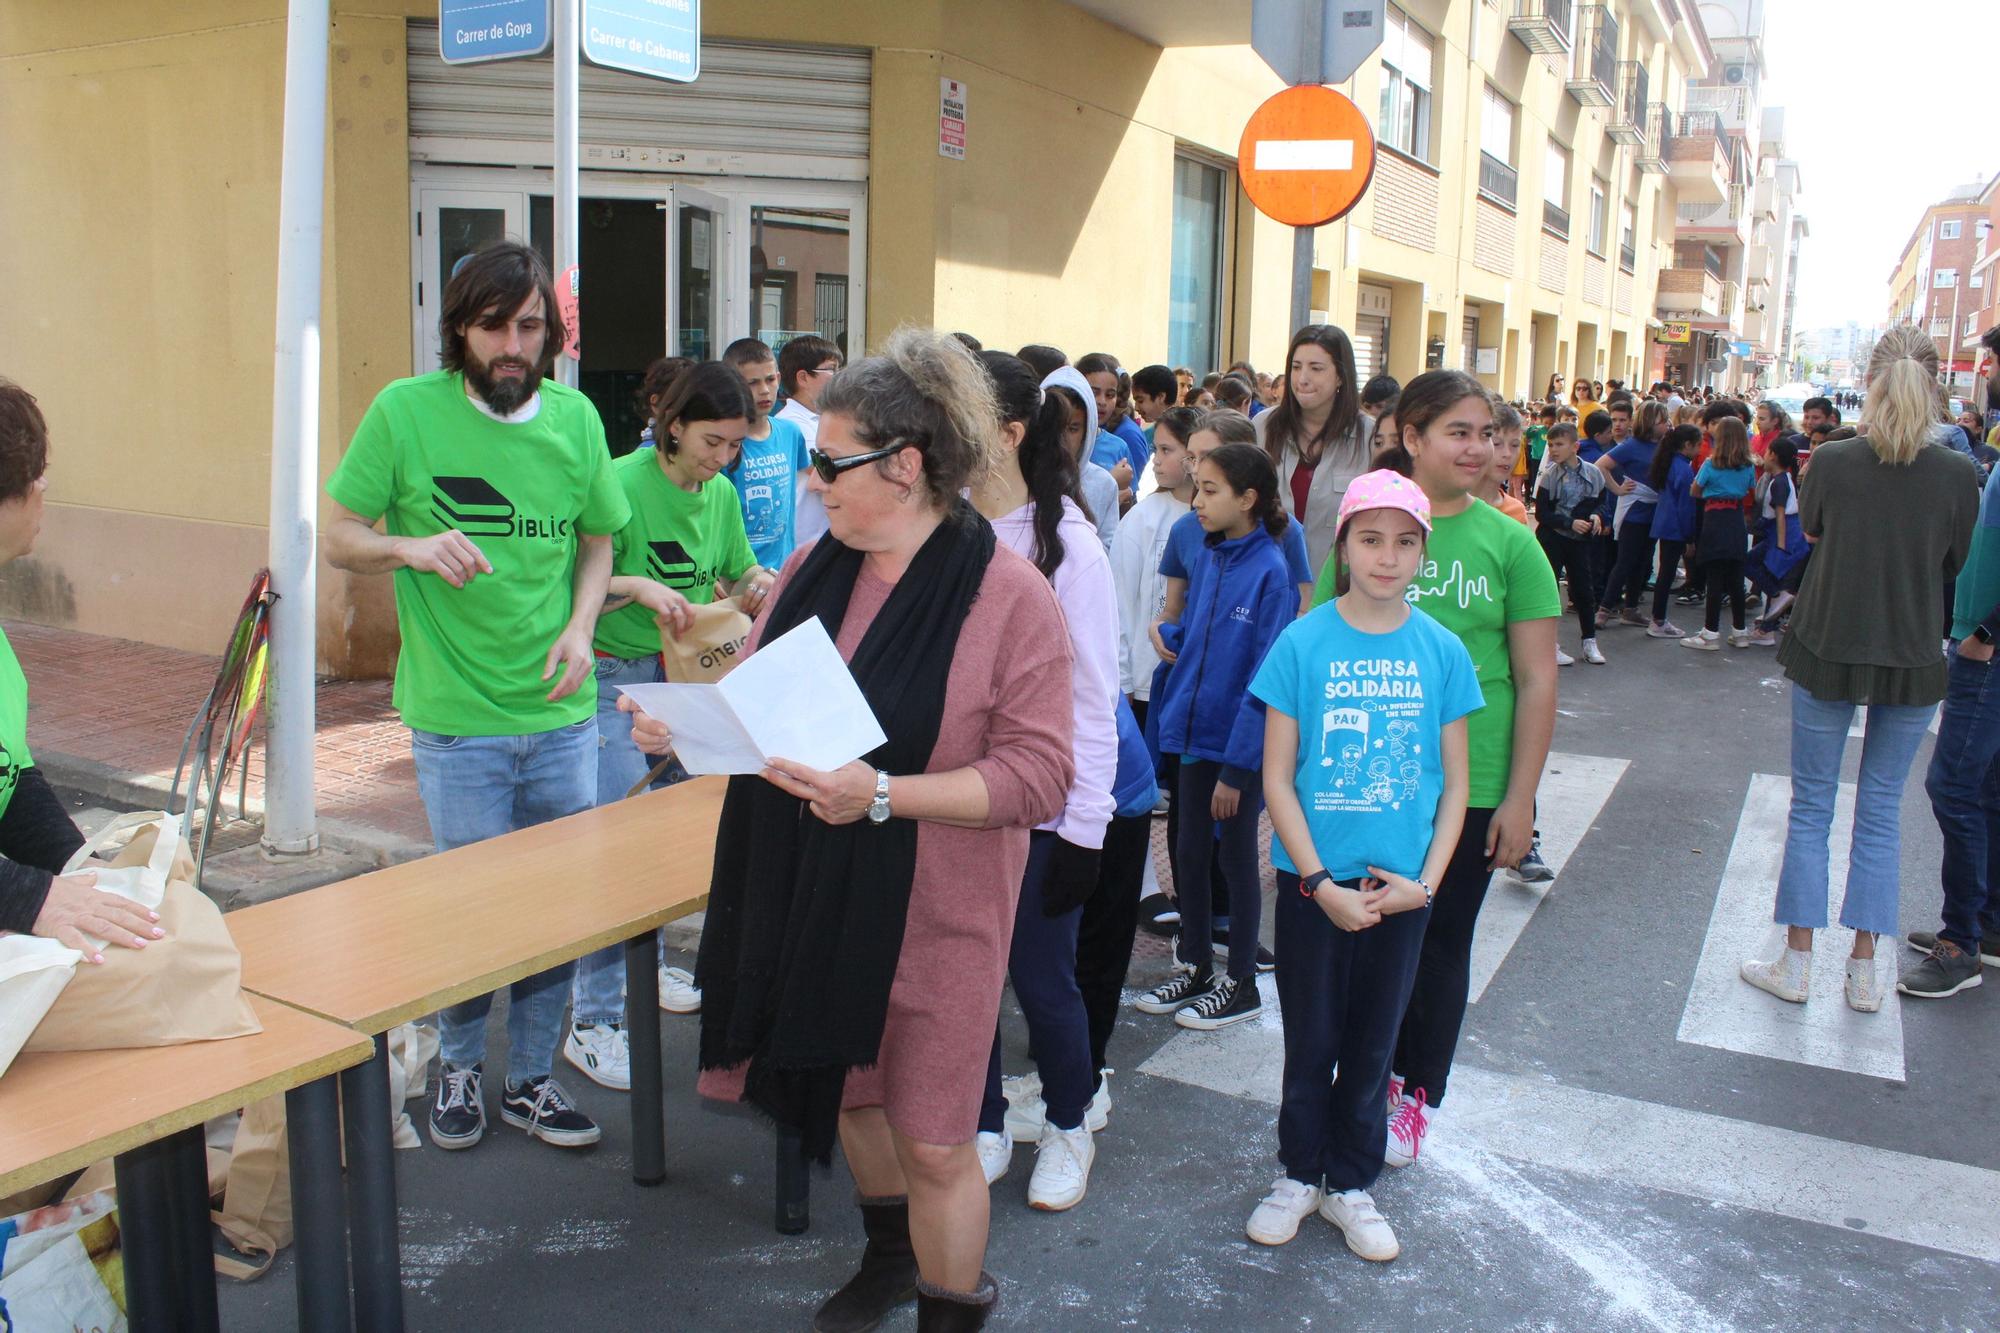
(451, 224)
(698, 243)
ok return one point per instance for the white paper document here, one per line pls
(791, 699)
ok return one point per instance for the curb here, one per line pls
(149, 791)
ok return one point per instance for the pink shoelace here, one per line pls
(1409, 1121)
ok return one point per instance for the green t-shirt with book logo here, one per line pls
(427, 460)
(684, 539)
(14, 755)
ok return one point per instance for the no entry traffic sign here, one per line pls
(1306, 156)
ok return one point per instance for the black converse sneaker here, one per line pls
(1183, 986)
(1229, 1001)
(458, 1116)
(541, 1107)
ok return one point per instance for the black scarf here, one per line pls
(805, 920)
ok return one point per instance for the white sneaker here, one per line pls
(678, 993)
(1353, 1211)
(1788, 976)
(1563, 658)
(1864, 986)
(1027, 1112)
(1707, 640)
(601, 1053)
(1276, 1220)
(1740, 638)
(1062, 1168)
(1591, 653)
(1407, 1127)
(996, 1154)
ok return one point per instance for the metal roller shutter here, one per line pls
(756, 110)
(1371, 333)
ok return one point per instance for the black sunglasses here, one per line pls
(829, 469)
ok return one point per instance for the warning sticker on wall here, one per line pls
(951, 119)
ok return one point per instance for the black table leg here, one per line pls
(191, 1229)
(794, 1185)
(319, 1206)
(642, 1035)
(153, 1221)
(371, 1193)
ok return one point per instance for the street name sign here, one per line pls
(658, 38)
(471, 32)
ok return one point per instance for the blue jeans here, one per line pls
(479, 787)
(599, 993)
(1819, 737)
(1964, 787)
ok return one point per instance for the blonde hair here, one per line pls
(1903, 395)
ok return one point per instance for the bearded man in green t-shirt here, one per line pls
(494, 488)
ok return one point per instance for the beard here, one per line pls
(504, 394)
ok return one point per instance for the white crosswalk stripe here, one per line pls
(1944, 1206)
(1725, 1012)
(1574, 789)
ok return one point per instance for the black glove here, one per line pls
(1072, 878)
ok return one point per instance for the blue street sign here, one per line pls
(471, 31)
(660, 38)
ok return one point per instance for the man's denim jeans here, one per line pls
(479, 787)
(1874, 863)
(599, 993)
(1964, 787)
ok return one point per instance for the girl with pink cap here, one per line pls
(1366, 779)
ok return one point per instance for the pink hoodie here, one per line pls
(1090, 608)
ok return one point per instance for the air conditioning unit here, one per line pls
(1716, 365)
(1739, 75)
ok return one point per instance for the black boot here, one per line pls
(941, 1311)
(888, 1276)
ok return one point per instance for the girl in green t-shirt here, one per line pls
(1484, 579)
(685, 546)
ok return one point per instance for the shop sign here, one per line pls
(1673, 331)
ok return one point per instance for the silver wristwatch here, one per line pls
(878, 809)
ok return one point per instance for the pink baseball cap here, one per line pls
(1383, 489)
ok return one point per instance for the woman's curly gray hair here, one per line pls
(926, 389)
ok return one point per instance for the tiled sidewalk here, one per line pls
(104, 704)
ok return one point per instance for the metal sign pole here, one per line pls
(566, 57)
(290, 824)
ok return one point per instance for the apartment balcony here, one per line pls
(1723, 224)
(1764, 199)
(1689, 293)
(1735, 107)
(1593, 79)
(1498, 181)
(1542, 25)
(1659, 133)
(1555, 220)
(1698, 159)
(1628, 120)
(1758, 265)
(1757, 324)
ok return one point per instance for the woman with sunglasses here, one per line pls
(858, 920)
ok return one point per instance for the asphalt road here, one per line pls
(1634, 1139)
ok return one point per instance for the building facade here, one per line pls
(1730, 280)
(1519, 219)
(1937, 283)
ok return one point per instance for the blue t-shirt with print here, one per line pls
(1371, 710)
(1184, 544)
(1724, 483)
(766, 479)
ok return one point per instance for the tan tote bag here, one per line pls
(185, 987)
(712, 645)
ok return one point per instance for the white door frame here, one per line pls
(483, 186)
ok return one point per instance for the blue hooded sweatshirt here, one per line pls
(1136, 789)
(1674, 516)
(1236, 609)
